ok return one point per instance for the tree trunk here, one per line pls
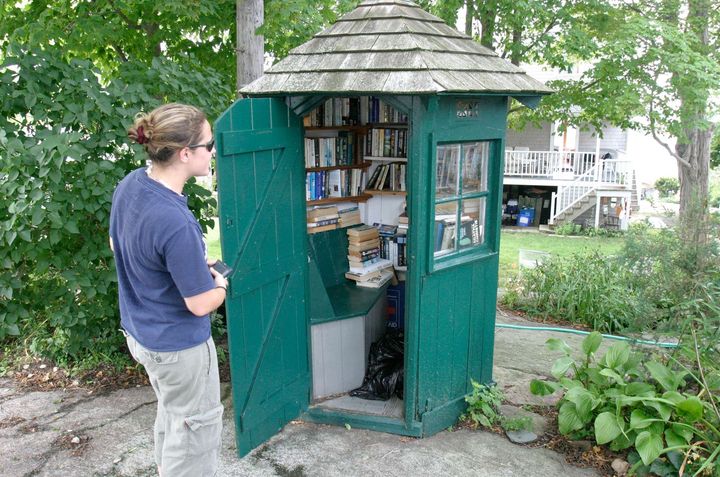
(469, 17)
(695, 149)
(250, 47)
(488, 17)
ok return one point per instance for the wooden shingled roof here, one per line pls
(393, 47)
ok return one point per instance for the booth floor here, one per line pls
(393, 407)
(74, 433)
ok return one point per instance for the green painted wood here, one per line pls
(334, 297)
(262, 217)
(455, 303)
(360, 421)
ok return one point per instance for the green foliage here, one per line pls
(568, 228)
(667, 186)
(483, 405)
(655, 282)
(290, 23)
(715, 149)
(586, 288)
(518, 423)
(63, 148)
(626, 400)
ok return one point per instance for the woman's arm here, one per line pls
(204, 303)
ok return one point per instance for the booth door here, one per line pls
(458, 271)
(262, 229)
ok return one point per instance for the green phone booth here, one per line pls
(391, 111)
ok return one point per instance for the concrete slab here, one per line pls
(115, 434)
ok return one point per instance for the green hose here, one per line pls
(579, 332)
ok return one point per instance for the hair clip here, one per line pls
(141, 138)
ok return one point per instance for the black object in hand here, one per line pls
(222, 268)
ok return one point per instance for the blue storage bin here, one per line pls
(526, 217)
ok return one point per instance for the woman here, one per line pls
(167, 288)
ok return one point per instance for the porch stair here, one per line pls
(577, 209)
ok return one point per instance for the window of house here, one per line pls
(461, 196)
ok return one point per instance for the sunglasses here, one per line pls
(209, 145)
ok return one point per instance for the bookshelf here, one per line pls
(337, 200)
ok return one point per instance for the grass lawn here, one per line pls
(212, 237)
(559, 245)
(510, 244)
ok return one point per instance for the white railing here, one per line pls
(548, 164)
(571, 194)
(607, 172)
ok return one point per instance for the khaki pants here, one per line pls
(189, 413)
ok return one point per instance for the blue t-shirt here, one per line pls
(160, 258)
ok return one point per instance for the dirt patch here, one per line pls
(77, 444)
(576, 453)
(38, 374)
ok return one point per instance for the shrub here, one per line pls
(667, 186)
(63, 148)
(568, 228)
(586, 288)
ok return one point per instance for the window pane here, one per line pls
(474, 167)
(472, 230)
(445, 218)
(447, 171)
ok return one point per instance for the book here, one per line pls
(323, 228)
(378, 281)
(379, 264)
(362, 277)
(363, 253)
(320, 223)
(362, 233)
(323, 211)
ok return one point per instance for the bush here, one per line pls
(586, 288)
(667, 186)
(63, 148)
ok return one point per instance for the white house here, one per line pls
(554, 176)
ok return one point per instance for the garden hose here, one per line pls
(659, 344)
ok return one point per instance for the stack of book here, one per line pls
(367, 269)
(348, 217)
(320, 219)
(403, 223)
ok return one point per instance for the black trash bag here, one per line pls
(385, 371)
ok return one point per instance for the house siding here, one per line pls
(537, 139)
(614, 139)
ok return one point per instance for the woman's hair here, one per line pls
(167, 129)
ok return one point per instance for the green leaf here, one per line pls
(606, 427)
(584, 402)
(556, 344)
(609, 373)
(639, 389)
(664, 410)
(639, 419)
(37, 216)
(617, 355)
(543, 388)
(591, 343)
(691, 409)
(561, 366)
(674, 439)
(649, 446)
(666, 377)
(568, 418)
(72, 227)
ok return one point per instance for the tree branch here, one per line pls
(516, 109)
(674, 154)
(549, 26)
(125, 18)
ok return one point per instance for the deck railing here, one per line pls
(548, 164)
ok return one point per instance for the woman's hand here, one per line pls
(220, 281)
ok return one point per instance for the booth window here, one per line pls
(461, 196)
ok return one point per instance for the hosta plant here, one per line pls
(624, 400)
